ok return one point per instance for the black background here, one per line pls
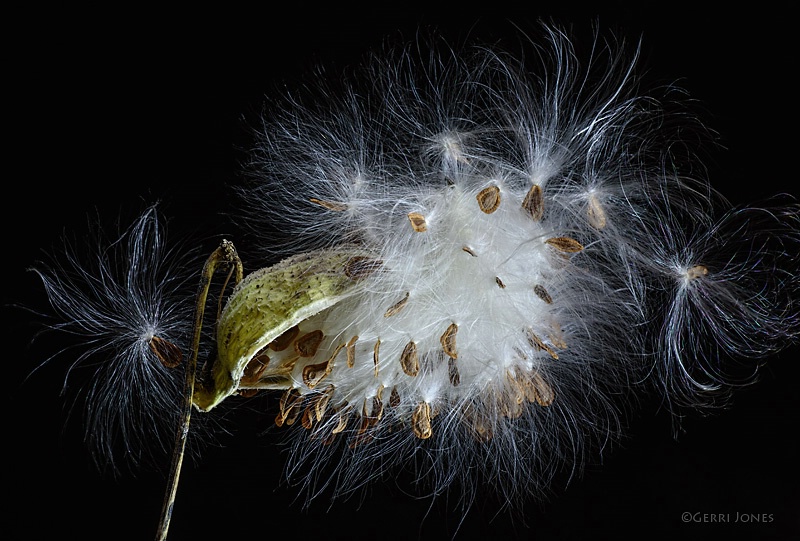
(107, 111)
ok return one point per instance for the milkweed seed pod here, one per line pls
(483, 261)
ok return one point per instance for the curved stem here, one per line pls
(225, 254)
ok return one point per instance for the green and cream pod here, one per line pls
(261, 321)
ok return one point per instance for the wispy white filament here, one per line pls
(115, 298)
(544, 254)
(669, 282)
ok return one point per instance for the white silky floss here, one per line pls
(534, 256)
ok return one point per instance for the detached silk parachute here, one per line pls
(483, 260)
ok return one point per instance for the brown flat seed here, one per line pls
(529, 389)
(469, 251)
(452, 372)
(448, 341)
(534, 202)
(544, 393)
(421, 421)
(289, 407)
(510, 408)
(306, 345)
(418, 222)
(376, 412)
(409, 359)
(542, 293)
(396, 307)
(330, 205)
(351, 352)
(247, 393)
(341, 421)
(255, 367)
(698, 271)
(293, 415)
(287, 399)
(565, 244)
(168, 353)
(499, 282)
(489, 199)
(537, 343)
(375, 351)
(282, 342)
(515, 388)
(595, 213)
(321, 403)
(394, 398)
(360, 267)
(314, 373)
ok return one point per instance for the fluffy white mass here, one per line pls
(545, 251)
(542, 248)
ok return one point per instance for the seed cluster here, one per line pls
(319, 398)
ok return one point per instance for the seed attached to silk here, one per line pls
(418, 222)
(489, 199)
(698, 271)
(351, 352)
(448, 341)
(330, 205)
(284, 341)
(542, 293)
(533, 203)
(421, 421)
(409, 359)
(565, 244)
(595, 213)
(396, 307)
(307, 345)
(168, 353)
